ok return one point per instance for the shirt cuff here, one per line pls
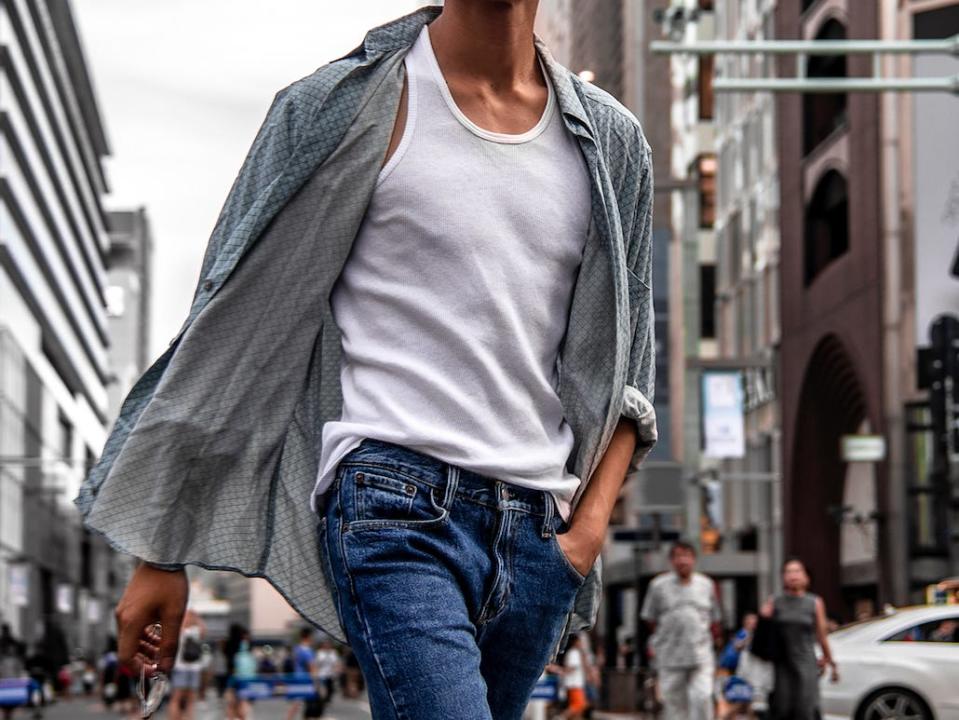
(638, 408)
(169, 567)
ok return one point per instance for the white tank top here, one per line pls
(455, 297)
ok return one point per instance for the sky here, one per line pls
(183, 86)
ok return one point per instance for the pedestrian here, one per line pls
(574, 679)
(682, 611)
(11, 661)
(800, 617)
(352, 677)
(185, 682)
(441, 325)
(328, 666)
(244, 671)
(303, 665)
(219, 666)
(108, 665)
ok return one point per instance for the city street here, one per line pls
(273, 710)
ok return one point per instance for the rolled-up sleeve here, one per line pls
(641, 373)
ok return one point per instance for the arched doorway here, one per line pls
(832, 404)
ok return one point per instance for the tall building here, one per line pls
(866, 239)
(54, 328)
(740, 301)
(723, 273)
(129, 297)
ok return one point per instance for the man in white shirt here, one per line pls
(682, 610)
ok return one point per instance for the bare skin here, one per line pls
(151, 596)
(486, 53)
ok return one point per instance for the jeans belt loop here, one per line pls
(452, 482)
(548, 515)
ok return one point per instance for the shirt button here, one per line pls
(208, 284)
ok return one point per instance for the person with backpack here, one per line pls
(187, 667)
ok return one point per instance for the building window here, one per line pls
(705, 79)
(66, 438)
(827, 224)
(735, 248)
(707, 299)
(115, 296)
(706, 179)
(823, 113)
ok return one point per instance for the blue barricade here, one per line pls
(547, 688)
(17, 692)
(265, 687)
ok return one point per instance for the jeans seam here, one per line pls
(365, 628)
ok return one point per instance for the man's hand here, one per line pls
(768, 609)
(152, 596)
(580, 549)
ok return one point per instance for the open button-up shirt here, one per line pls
(214, 454)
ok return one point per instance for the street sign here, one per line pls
(862, 448)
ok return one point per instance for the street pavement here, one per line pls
(339, 709)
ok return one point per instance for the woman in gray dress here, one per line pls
(801, 619)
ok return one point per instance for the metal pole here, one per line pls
(947, 46)
(837, 85)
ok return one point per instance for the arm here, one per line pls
(587, 527)
(641, 372)
(821, 636)
(650, 612)
(635, 434)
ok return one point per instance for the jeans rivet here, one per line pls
(360, 477)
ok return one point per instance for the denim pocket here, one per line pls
(383, 497)
(575, 575)
(379, 496)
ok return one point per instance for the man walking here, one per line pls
(683, 613)
(423, 331)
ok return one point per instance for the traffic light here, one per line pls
(942, 374)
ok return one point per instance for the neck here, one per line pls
(486, 40)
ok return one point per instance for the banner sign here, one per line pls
(19, 585)
(723, 425)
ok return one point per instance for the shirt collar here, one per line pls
(403, 31)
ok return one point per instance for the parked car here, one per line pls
(901, 665)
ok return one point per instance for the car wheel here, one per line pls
(894, 704)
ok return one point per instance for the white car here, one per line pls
(904, 665)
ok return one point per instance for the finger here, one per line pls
(129, 630)
(166, 650)
(148, 648)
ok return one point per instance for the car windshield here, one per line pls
(854, 628)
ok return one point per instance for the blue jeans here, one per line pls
(451, 586)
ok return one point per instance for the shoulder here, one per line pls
(611, 118)
(704, 580)
(660, 582)
(309, 94)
